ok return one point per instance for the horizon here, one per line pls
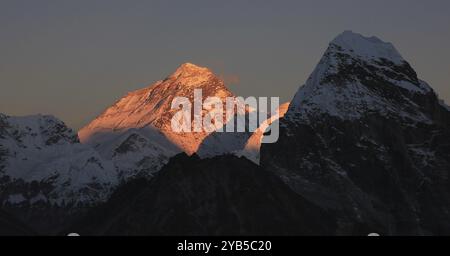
(73, 60)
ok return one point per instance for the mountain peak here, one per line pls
(189, 69)
(150, 108)
(357, 75)
(191, 66)
(366, 47)
(189, 75)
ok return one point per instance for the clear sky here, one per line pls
(72, 59)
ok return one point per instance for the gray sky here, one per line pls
(72, 59)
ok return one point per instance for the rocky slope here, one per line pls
(368, 140)
(223, 195)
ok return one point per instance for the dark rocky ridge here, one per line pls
(223, 195)
(12, 227)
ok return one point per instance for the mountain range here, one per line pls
(364, 147)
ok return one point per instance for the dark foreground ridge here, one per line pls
(224, 195)
(12, 227)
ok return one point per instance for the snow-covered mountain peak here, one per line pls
(189, 69)
(191, 75)
(366, 139)
(151, 106)
(366, 47)
(136, 132)
(358, 75)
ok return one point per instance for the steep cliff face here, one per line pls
(366, 138)
(223, 195)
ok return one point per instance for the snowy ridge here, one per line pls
(253, 144)
(367, 48)
(137, 152)
(42, 149)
